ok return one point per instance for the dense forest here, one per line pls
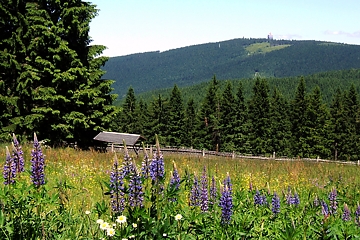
(265, 122)
(327, 81)
(232, 59)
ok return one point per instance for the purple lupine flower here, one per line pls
(275, 202)
(37, 164)
(357, 215)
(127, 166)
(9, 172)
(213, 191)
(18, 155)
(226, 202)
(145, 165)
(257, 198)
(175, 181)
(136, 194)
(204, 198)
(195, 193)
(346, 213)
(227, 182)
(117, 188)
(333, 201)
(296, 199)
(157, 170)
(324, 208)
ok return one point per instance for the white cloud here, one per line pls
(348, 34)
(288, 36)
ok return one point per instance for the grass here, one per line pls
(264, 47)
(79, 179)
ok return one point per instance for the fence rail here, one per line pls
(234, 155)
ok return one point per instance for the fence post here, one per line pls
(112, 147)
(233, 155)
(203, 153)
(150, 150)
(358, 162)
(274, 155)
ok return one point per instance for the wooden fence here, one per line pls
(233, 155)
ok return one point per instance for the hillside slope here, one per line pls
(233, 59)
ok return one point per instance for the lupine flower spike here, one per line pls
(333, 201)
(226, 203)
(9, 172)
(204, 198)
(275, 204)
(174, 181)
(145, 165)
(136, 194)
(213, 191)
(117, 188)
(157, 170)
(195, 193)
(128, 166)
(37, 164)
(18, 155)
(346, 213)
(357, 215)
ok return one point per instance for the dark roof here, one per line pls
(115, 137)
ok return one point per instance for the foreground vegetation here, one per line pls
(90, 195)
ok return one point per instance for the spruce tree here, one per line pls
(208, 128)
(128, 113)
(316, 127)
(280, 124)
(338, 126)
(259, 118)
(176, 132)
(190, 123)
(158, 119)
(241, 122)
(227, 119)
(59, 92)
(297, 117)
(351, 108)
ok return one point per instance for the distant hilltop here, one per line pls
(232, 59)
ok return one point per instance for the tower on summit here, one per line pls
(270, 37)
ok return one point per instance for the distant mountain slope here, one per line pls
(233, 59)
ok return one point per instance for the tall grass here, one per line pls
(75, 196)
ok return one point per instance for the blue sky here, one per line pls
(134, 26)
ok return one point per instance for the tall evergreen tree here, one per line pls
(208, 128)
(338, 124)
(59, 91)
(176, 131)
(158, 119)
(351, 108)
(241, 126)
(280, 124)
(128, 114)
(297, 117)
(259, 118)
(227, 119)
(316, 128)
(190, 123)
(142, 114)
(13, 27)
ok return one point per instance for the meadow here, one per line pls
(93, 195)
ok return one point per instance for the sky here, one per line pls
(135, 26)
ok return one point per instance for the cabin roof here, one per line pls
(117, 138)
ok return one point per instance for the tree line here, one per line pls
(266, 122)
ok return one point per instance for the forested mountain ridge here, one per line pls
(232, 59)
